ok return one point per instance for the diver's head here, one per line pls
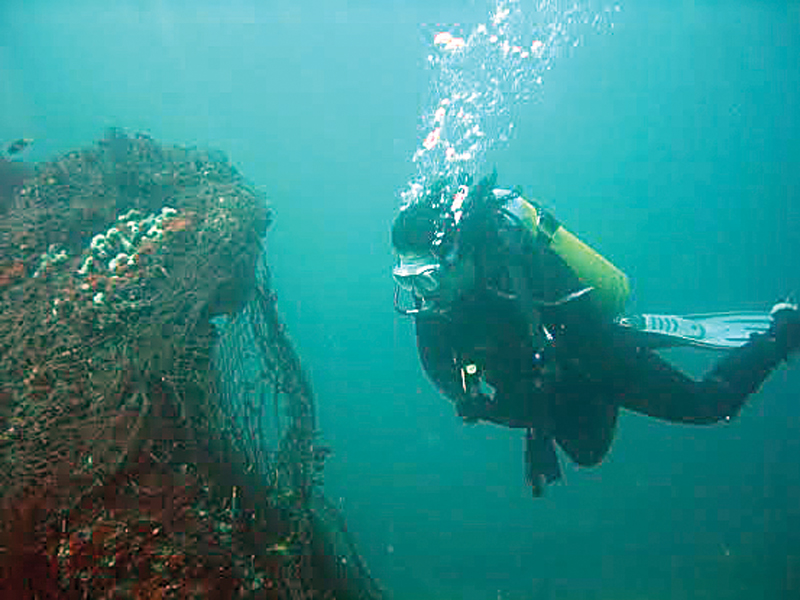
(431, 275)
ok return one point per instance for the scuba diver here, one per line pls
(521, 324)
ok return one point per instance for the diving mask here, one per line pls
(418, 274)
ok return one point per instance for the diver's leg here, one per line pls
(648, 384)
(584, 425)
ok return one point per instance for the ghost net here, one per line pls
(157, 433)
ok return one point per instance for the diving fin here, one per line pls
(716, 331)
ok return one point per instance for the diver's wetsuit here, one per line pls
(569, 388)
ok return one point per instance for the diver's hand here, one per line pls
(476, 407)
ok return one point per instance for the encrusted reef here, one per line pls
(134, 455)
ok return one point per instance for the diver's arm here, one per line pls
(438, 357)
(440, 361)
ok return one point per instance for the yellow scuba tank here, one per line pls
(610, 285)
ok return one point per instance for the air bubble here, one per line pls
(480, 80)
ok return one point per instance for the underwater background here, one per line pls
(670, 142)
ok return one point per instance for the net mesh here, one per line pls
(157, 433)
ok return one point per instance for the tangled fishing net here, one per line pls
(157, 432)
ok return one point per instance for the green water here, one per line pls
(671, 143)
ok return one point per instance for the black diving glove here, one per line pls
(474, 408)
